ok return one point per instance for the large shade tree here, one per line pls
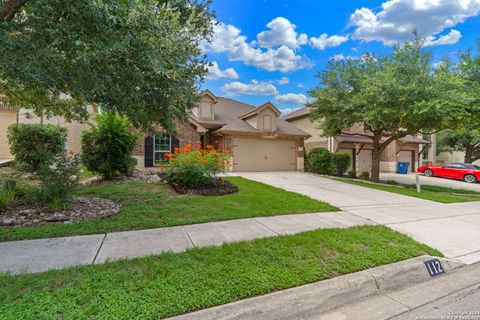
(140, 58)
(390, 96)
(466, 137)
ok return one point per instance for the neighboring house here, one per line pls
(358, 146)
(452, 157)
(10, 116)
(256, 137)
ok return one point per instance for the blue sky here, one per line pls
(270, 50)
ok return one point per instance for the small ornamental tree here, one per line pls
(107, 148)
(341, 162)
(34, 145)
(320, 161)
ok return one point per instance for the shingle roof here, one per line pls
(229, 111)
(355, 138)
(303, 112)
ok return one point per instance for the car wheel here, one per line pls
(470, 178)
(428, 173)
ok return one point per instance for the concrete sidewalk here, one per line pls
(44, 254)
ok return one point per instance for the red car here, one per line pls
(461, 171)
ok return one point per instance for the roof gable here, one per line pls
(255, 111)
(209, 94)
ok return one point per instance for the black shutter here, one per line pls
(149, 144)
(175, 143)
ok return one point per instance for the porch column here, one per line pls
(357, 147)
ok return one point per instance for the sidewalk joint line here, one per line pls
(99, 248)
(188, 235)
(277, 233)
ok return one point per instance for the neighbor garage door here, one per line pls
(364, 161)
(263, 155)
(6, 119)
(407, 156)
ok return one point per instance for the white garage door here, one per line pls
(6, 119)
(263, 155)
(350, 153)
(406, 156)
(364, 159)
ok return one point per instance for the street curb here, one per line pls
(325, 295)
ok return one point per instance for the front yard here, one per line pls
(169, 284)
(147, 205)
(428, 192)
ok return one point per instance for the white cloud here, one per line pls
(228, 38)
(225, 38)
(281, 59)
(292, 98)
(253, 88)
(324, 41)
(451, 38)
(286, 111)
(396, 20)
(282, 32)
(214, 72)
(283, 81)
(339, 57)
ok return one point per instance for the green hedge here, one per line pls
(34, 145)
(320, 160)
(341, 162)
(107, 148)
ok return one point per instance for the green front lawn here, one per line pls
(146, 205)
(429, 192)
(170, 284)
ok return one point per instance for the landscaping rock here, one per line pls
(138, 176)
(7, 222)
(81, 208)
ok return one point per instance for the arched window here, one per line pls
(267, 123)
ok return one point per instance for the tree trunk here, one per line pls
(468, 153)
(10, 8)
(376, 152)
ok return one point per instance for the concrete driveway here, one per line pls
(410, 179)
(340, 194)
(451, 228)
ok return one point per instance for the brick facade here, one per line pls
(186, 134)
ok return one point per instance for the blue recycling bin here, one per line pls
(402, 167)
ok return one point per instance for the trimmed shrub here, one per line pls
(320, 160)
(365, 175)
(107, 148)
(59, 179)
(352, 174)
(190, 168)
(34, 145)
(341, 162)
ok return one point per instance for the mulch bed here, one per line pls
(222, 187)
(38, 214)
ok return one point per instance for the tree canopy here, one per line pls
(466, 136)
(140, 58)
(390, 96)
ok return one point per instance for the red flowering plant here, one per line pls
(191, 168)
